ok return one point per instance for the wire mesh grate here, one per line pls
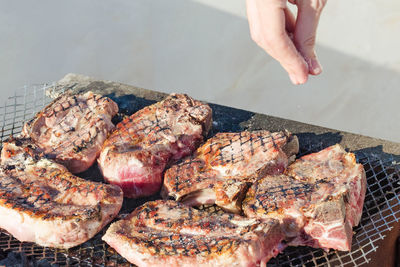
(381, 207)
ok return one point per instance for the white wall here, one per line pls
(203, 47)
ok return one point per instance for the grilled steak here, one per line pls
(167, 233)
(317, 202)
(222, 169)
(136, 153)
(42, 202)
(72, 129)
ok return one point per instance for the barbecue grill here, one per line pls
(379, 158)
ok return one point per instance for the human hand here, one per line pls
(288, 39)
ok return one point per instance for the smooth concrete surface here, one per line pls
(203, 48)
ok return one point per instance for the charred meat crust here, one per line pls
(167, 232)
(225, 166)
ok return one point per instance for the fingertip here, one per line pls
(314, 67)
(299, 75)
(293, 78)
(298, 79)
(303, 79)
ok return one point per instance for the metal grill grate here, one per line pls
(381, 207)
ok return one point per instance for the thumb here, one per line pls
(308, 15)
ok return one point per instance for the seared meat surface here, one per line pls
(42, 202)
(317, 202)
(223, 168)
(137, 152)
(72, 129)
(167, 233)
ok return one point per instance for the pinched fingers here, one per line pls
(267, 20)
(270, 22)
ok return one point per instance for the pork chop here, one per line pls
(72, 129)
(223, 168)
(42, 202)
(167, 233)
(137, 152)
(317, 202)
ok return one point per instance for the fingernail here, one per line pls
(315, 68)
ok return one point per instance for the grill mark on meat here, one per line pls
(236, 157)
(72, 129)
(273, 141)
(168, 233)
(159, 134)
(178, 178)
(223, 168)
(318, 200)
(175, 244)
(72, 105)
(294, 190)
(146, 127)
(47, 204)
(34, 198)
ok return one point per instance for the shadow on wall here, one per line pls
(184, 46)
